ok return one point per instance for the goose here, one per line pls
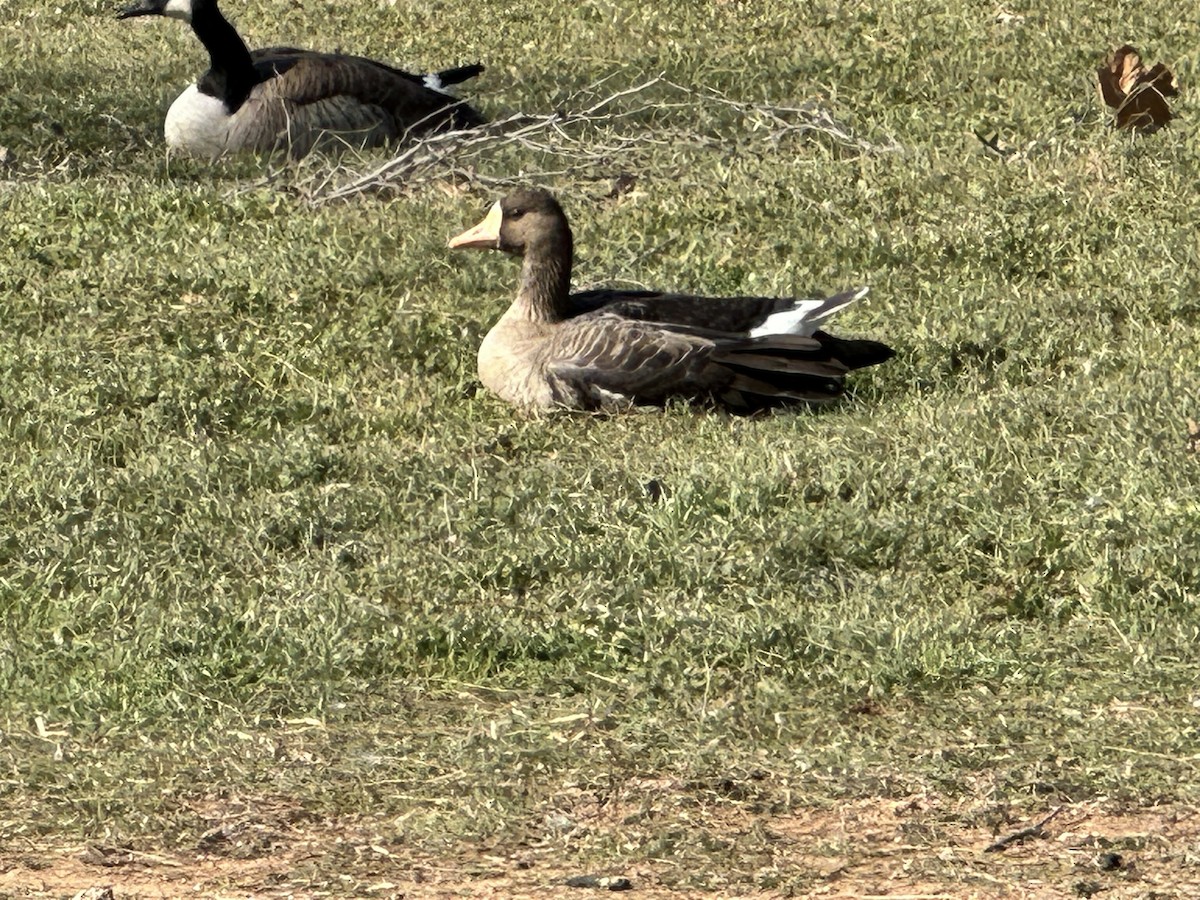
(610, 350)
(284, 97)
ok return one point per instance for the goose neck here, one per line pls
(546, 280)
(232, 72)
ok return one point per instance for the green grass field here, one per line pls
(263, 536)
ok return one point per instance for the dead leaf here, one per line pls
(622, 184)
(1193, 436)
(1137, 95)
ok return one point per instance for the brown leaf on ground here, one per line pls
(1193, 436)
(1137, 95)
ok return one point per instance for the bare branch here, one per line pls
(1034, 831)
(573, 143)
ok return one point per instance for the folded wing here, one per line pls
(603, 359)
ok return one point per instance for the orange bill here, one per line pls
(485, 235)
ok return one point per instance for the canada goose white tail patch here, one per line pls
(178, 9)
(433, 81)
(805, 317)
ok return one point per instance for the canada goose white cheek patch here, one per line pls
(178, 9)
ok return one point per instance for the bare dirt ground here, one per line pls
(920, 847)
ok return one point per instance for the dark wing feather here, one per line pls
(637, 361)
(458, 74)
(719, 318)
(765, 361)
(270, 61)
(732, 315)
(778, 368)
(304, 94)
(856, 354)
(648, 364)
(314, 76)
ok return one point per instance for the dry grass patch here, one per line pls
(666, 842)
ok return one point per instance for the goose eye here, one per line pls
(516, 213)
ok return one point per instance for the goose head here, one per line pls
(172, 9)
(527, 219)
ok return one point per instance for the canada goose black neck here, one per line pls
(231, 76)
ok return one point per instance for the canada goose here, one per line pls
(282, 97)
(604, 349)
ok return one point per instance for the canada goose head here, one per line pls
(526, 219)
(172, 9)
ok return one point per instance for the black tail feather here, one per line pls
(768, 370)
(459, 74)
(464, 116)
(764, 389)
(856, 354)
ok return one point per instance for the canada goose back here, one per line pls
(284, 97)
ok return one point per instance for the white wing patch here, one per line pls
(178, 9)
(806, 316)
(610, 400)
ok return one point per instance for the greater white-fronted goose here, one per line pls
(285, 98)
(605, 349)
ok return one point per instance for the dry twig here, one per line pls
(590, 139)
(1034, 831)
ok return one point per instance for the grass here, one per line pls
(263, 534)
